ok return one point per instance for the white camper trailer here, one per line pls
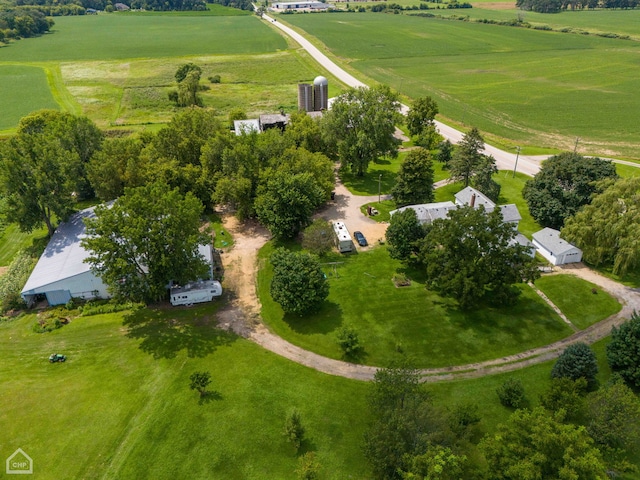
(195, 292)
(343, 239)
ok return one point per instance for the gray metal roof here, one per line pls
(428, 212)
(464, 197)
(524, 241)
(273, 119)
(64, 256)
(510, 212)
(550, 240)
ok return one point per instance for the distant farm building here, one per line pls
(61, 273)
(245, 127)
(300, 6)
(121, 7)
(558, 251)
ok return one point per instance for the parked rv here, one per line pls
(343, 239)
(195, 292)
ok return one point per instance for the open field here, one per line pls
(120, 407)
(411, 321)
(535, 87)
(12, 240)
(127, 84)
(582, 302)
(23, 89)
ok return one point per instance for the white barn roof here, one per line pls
(64, 256)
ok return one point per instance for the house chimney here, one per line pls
(473, 200)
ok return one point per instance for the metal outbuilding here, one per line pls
(558, 251)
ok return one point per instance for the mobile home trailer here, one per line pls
(195, 292)
(343, 239)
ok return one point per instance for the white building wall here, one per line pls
(85, 285)
(571, 256)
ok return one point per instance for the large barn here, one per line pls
(62, 274)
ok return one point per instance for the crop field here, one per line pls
(119, 69)
(536, 87)
(22, 90)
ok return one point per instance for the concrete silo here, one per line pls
(305, 97)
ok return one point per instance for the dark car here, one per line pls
(360, 239)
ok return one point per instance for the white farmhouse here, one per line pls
(558, 251)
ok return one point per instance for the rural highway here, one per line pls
(504, 160)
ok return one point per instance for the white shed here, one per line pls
(558, 251)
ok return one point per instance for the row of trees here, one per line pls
(594, 209)
(578, 430)
(22, 22)
(554, 6)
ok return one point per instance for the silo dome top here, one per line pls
(320, 81)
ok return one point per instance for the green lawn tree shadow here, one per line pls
(326, 320)
(164, 333)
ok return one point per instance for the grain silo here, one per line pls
(320, 94)
(305, 97)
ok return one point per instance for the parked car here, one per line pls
(360, 239)
(57, 357)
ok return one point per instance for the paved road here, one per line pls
(529, 165)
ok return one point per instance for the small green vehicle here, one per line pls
(57, 357)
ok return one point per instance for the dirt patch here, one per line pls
(3, 270)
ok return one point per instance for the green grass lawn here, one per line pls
(627, 170)
(23, 89)
(577, 300)
(410, 321)
(382, 174)
(120, 407)
(12, 240)
(511, 192)
(526, 85)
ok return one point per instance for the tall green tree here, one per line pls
(118, 165)
(286, 201)
(470, 256)
(536, 444)
(403, 235)
(608, 229)
(467, 157)
(414, 183)
(421, 115)
(299, 284)
(623, 352)
(38, 180)
(565, 183)
(483, 178)
(146, 239)
(362, 123)
(577, 361)
(318, 237)
(613, 414)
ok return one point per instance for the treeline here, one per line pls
(241, 4)
(19, 22)
(554, 6)
(78, 7)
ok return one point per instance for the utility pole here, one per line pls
(516, 165)
(379, 185)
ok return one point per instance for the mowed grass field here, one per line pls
(118, 69)
(412, 321)
(535, 87)
(120, 407)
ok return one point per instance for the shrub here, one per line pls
(511, 393)
(102, 307)
(577, 361)
(623, 353)
(308, 467)
(349, 341)
(215, 79)
(13, 280)
(293, 429)
(49, 323)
